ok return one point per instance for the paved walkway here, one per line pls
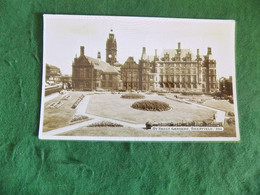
(50, 97)
(82, 106)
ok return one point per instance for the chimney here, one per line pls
(209, 51)
(198, 52)
(144, 53)
(144, 50)
(81, 50)
(99, 55)
(179, 45)
(156, 53)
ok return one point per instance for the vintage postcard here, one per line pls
(138, 79)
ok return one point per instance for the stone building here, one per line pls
(93, 74)
(136, 76)
(179, 70)
(209, 76)
(145, 75)
(130, 74)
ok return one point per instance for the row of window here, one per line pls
(178, 85)
(213, 86)
(177, 65)
(178, 71)
(212, 71)
(211, 79)
(85, 73)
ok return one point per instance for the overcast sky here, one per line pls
(64, 34)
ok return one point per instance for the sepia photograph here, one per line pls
(138, 79)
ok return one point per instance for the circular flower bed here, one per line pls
(132, 96)
(151, 105)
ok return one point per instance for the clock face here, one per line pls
(110, 56)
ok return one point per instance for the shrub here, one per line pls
(151, 105)
(55, 104)
(231, 100)
(231, 121)
(216, 94)
(105, 124)
(77, 101)
(78, 118)
(231, 114)
(132, 96)
(161, 94)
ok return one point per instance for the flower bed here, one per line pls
(151, 105)
(78, 118)
(55, 104)
(132, 96)
(77, 101)
(161, 94)
(105, 124)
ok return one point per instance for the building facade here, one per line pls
(93, 74)
(177, 70)
(136, 76)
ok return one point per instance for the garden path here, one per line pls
(51, 97)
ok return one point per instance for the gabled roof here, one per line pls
(101, 65)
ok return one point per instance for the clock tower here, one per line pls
(111, 49)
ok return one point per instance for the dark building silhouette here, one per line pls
(52, 75)
(209, 72)
(225, 86)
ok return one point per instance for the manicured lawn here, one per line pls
(114, 107)
(59, 117)
(220, 104)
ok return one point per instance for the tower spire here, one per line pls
(111, 49)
